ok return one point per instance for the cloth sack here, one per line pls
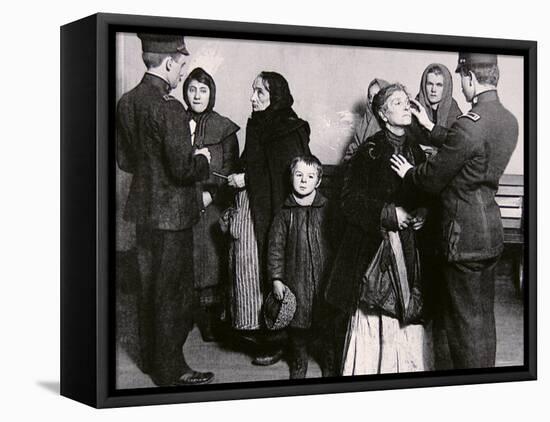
(387, 287)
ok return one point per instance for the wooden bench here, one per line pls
(509, 198)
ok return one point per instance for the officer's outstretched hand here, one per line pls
(205, 152)
(421, 115)
(400, 165)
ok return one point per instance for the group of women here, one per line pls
(377, 283)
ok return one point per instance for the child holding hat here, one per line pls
(297, 260)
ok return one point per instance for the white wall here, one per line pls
(328, 82)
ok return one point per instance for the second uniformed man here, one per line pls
(465, 175)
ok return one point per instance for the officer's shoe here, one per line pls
(268, 359)
(194, 378)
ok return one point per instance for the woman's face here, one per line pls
(198, 95)
(397, 109)
(434, 88)
(260, 95)
(373, 90)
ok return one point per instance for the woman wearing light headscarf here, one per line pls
(368, 125)
(436, 96)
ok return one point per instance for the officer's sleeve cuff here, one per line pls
(438, 135)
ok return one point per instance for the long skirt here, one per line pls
(210, 252)
(379, 344)
(245, 291)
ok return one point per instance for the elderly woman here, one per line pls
(376, 276)
(368, 125)
(218, 134)
(274, 136)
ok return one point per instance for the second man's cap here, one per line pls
(161, 43)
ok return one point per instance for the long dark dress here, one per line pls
(218, 134)
(371, 190)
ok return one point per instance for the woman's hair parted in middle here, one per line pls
(379, 103)
(200, 75)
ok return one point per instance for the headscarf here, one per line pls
(280, 98)
(200, 75)
(210, 127)
(446, 97)
(382, 83)
(368, 125)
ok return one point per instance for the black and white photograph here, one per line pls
(292, 210)
(267, 211)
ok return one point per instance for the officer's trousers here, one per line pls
(467, 313)
(165, 304)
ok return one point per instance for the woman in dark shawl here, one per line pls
(217, 133)
(274, 136)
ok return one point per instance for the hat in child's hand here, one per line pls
(279, 313)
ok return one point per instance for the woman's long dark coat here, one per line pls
(369, 185)
(218, 134)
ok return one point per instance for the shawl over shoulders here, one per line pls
(217, 128)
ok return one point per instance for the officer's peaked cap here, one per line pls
(467, 59)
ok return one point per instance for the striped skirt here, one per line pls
(245, 292)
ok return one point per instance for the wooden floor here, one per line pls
(232, 363)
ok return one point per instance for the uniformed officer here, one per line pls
(154, 145)
(465, 175)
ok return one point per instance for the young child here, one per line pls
(297, 258)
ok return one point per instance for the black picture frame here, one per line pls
(87, 209)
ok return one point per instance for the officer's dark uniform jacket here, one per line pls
(465, 173)
(154, 144)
